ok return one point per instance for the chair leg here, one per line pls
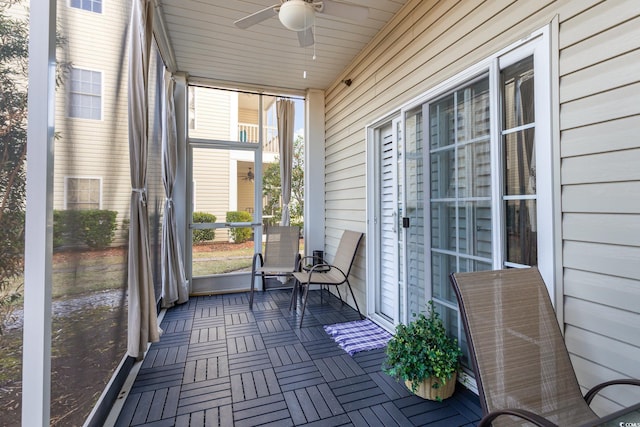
(294, 295)
(354, 300)
(254, 265)
(304, 302)
(253, 284)
(339, 295)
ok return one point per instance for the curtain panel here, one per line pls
(285, 109)
(174, 283)
(143, 321)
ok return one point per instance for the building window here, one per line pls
(460, 163)
(85, 94)
(89, 5)
(519, 164)
(82, 193)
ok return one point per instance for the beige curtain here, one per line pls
(174, 282)
(143, 321)
(286, 115)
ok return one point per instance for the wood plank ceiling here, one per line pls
(207, 45)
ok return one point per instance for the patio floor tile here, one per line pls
(218, 363)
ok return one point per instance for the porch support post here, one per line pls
(36, 355)
(314, 154)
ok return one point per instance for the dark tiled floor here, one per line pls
(220, 364)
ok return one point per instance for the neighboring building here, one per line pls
(92, 148)
(223, 180)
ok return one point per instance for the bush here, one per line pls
(95, 227)
(200, 236)
(98, 227)
(240, 235)
(66, 228)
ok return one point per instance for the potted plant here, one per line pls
(424, 356)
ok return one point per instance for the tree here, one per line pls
(14, 44)
(271, 185)
(14, 56)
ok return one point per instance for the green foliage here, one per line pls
(272, 191)
(240, 235)
(98, 227)
(13, 149)
(14, 50)
(124, 233)
(422, 349)
(200, 236)
(65, 228)
(94, 227)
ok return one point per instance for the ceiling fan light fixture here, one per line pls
(297, 15)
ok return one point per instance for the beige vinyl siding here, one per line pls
(429, 42)
(211, 176)
(599, 92)
(248, 116)
(211, 168)
(213, 114)
(96, 148)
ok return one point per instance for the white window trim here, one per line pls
(88, 11)
(102, 85)
(68, 177)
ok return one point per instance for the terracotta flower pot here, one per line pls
(426, 390)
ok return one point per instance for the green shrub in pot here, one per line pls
(423, 352)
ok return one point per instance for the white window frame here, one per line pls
(66, 187)
(537, 45)
(102, 2)
(71, 94)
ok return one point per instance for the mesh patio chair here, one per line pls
(325, 274)
(281, 255)
(520, 359)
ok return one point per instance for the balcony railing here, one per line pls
(250, 133)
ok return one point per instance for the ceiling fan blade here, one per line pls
(343, 10)
(257, 17)
(305, 37)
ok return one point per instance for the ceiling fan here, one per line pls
(249, 176)
(299, 15)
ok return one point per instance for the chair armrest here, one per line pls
(257, 257)
(300, 261)
(319, 268)
(594, 390)
(520, 413)
(315, 267)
